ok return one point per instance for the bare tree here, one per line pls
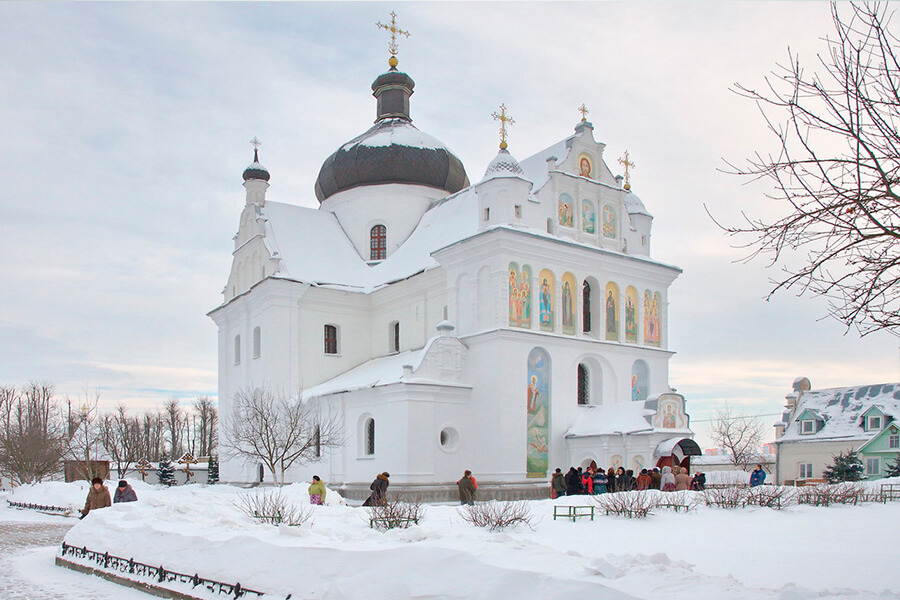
(741, 435)
(120, 436)
(32, 433)
(207, 425)
(84, 441)
(151, 437)
(836, 172)
(277, 431)
(174, 419)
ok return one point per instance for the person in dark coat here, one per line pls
(611, 480)
(758, 476)
(698, 483)
(655, 476)
(379, 488)
(124, 493)
(466, 488)
(558, 484)
(573, 482)
(623, 481)
(600, 482)
(98, 497)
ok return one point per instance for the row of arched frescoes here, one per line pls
(520, 306)
(608, 221)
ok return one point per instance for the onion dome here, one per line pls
(503, 165)
(633, 205)
(256, 170)
(393, 150)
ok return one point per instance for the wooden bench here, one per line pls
(674, 506)
(573, 512)
(393, 522)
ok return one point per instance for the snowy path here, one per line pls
(27, 572)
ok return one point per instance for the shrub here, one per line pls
(395, 513)
(273, 508)
(776, 497)
(496, 516)
(726, 497)
(637, 504)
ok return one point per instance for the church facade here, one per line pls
(510, 326)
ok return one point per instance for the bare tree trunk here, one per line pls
(32, 433)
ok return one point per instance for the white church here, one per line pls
(509, 326)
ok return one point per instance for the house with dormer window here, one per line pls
(817, 425)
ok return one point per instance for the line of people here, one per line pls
(578, 481)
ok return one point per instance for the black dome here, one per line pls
(256, 170)
(393, 150)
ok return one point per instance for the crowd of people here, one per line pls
(579, 481)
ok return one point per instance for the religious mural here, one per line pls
(631, 319)
(640, 381)
(568, 303)
(546, 298)
(565, 210)
(670, 413)
(651, 318)
(611, 303)
(588, 217)
(616, 461)
(637, 463)
(538, 413)
(585, 165)
(519, 296)
(609, 222)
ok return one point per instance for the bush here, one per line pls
(273, 508)
(776, 497)
(841, 493)
(496, 516)
(395, 513)
(637, 504)
(726, 497)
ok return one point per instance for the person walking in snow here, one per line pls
(466, 489)
(124, 493)
(317, 491)
(98, 497)
(758, 476)
(379, 487)
(558, 484)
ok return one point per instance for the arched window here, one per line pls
(394, 333)
(586, 307)
(378, 243)
(237, 349)
(584, 385)
(257, 342)
(370, 437)
(331, 339)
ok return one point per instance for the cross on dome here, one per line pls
(395, 31)
(625, 162)
(584, 112)
(255, 143)
(505, 120)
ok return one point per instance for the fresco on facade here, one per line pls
(538, 413)
(588, 217)
(631, 318)
(565, 210)
(639, 381)
(616, 461)
(670, 413)
(637, 463)
(585, 166)
(568, 303)
(611, 311)
(609, 222)
(546, 298)
(519, 296)
(651, 318)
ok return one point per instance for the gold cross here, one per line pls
(505, 120)
(255, 143)
(625, 162)
(395, 31)
(584, 112)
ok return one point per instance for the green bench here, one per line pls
(573, 512)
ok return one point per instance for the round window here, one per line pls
(449, 438)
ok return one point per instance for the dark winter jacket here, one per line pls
(125, 494)
(655, 476)
(558, 483)
(96, 499)
(757, 477)
(573, 482)
(466, 490)
(600, 482)
(379, 491)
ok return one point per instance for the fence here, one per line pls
(160, 574)
(41, 507)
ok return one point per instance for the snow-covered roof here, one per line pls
(611, 419)
(841, 409)
(400, 132)
(503, 165)
(535, 166)
(634, 205)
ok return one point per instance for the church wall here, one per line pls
(417, 304)
(398, 207)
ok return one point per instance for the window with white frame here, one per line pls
(237, 349)
(894, 440)
(257, 342)
(873, 423)
(873, 466)
(805, 470)
(807, 426)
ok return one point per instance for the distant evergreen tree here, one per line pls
(893, 469)
(846, 467)
(166, 472)
(212, 473)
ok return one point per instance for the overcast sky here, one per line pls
(127, 128)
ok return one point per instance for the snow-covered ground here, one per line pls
(798, 553)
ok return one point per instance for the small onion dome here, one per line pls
(634, 206)
(256, 170)
(503, 165)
